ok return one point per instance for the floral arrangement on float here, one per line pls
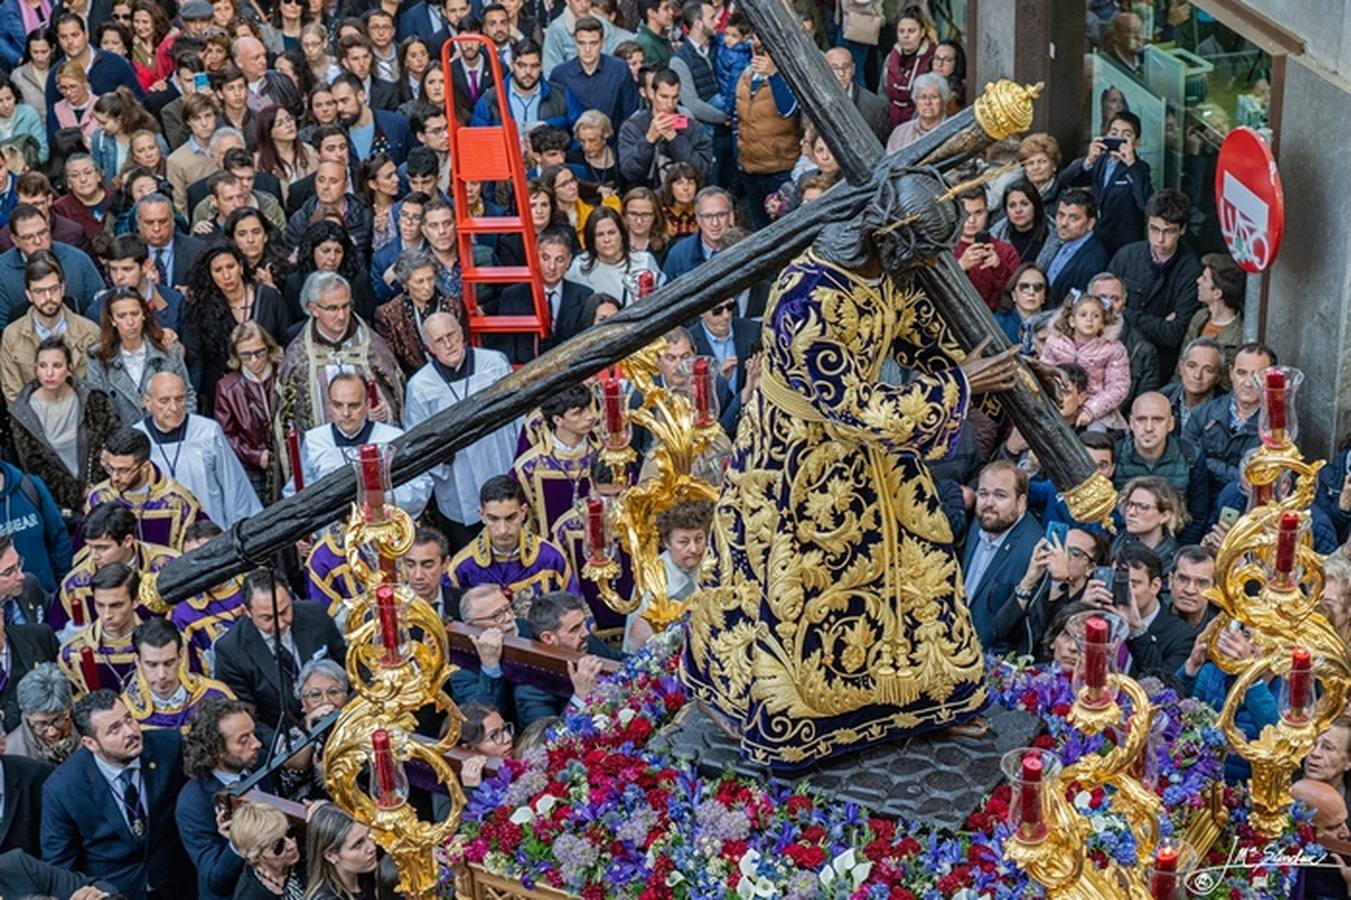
(597, 814)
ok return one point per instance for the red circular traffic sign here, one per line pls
(1249, 200)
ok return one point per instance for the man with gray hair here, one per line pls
(485, 606)
(45, 731)
(193, 451)
(265, 87)
(455, 372)
(332, 342)
(171, 251)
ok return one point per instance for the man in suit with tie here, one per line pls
(1119, 179)
(22, 647)
(219, 749)
(470, 74)
(566, 300)
(107, 811)
(997, 551)
(1076, 255)
(246, 659)
(171, 251)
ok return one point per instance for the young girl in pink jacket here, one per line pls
(1078, 337)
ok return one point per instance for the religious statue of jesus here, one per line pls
(833, 615)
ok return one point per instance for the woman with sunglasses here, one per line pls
(263, 838)
(1024, 297)
(246, 405)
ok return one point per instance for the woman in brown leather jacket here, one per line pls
(246, 406)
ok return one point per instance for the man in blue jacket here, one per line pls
(31, 519)
(32, 232)
(107, 71)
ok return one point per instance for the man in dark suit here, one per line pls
(24, 875)
(221, 745)
(20, 827)
(107, 811)
(171, 251)
(713, 212)
(245, 657)
(1076, 255)
(560, 619)
(330, 142)
(729, 339)
(470, 74)
(1159, 640)
(428, 20)
(356, 55)
(22, 647)
(385, 131)
(997, 551)
(566, 300)
(1119, 180)
(872, 107)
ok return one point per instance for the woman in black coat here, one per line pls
(222, 294)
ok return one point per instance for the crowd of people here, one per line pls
(227, 222)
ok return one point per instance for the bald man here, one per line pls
(266, 88)
(1329, 822)
(872, 107)
(193, 451)
(1152, 449)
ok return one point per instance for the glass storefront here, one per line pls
(1189, 78)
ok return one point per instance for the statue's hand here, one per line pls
(985, 374)
(1049, 377)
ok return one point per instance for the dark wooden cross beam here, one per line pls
(257, 539)
(858, 151)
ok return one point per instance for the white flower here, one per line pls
(764, 887)
(625, 716)
(600, 721)
(861, 872)
(844, 862)
(749, 864)
(827, 876)
(545, 804)
(674, 878)
(1083, 799)
(745, 889)
(522, 816)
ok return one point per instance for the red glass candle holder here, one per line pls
(1172, 863)
(596, 539)
(1032, 773)
(293, 457)
(374, 492)
(1098, 635)
(391, 631)
(701, 386)
(612, 395)
(388, 781)
(1296, 700)
(1278, 424)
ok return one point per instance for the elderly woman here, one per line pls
(594, 160)
(246, 406)
(47, 731)
(1039, 155)
(931, 94)
(262, 837)
(321, 687)
(399, 321)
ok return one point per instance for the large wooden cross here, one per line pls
(1001, 111)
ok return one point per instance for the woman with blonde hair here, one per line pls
(246, 406)
(75, 109)
(1039, 155)
(1336, 602)
(265, 841)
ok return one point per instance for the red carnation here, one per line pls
(593, 892)
(885, 829)
(798, 803)
(1043, 742)
(732, 851)
(508, 837)
(813, 834)
(1028, 700)
(805, 857)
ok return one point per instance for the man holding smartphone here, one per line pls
(651, 140)
(1159, 642)
(1119, 180)
(987, 261)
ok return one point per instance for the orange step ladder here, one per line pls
(487, 154)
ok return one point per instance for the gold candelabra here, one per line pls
(397, 662)
(1051, 835)
(1270, 582)
(684, 427)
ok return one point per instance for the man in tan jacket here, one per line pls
(45, 285)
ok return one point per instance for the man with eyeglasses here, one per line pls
(35, 189)
(161, 508)
(872, 107)
(1161, 274)
(713, 215)
(333, 342)
(429, 126)
(1057, 575)
(455, 372)
(32, 232)
(47, 315)
(22, 647)
(220, 746)
(485, 606)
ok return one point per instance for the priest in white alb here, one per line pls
(192, 450)
(453, 373)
